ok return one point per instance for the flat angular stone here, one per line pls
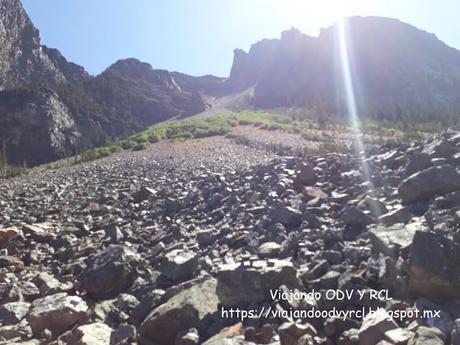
(269, 250)
(93, 334)
(398, 336)
(390, 240)
(352, 215)
(401, 215)
(427, 336)
(428, 183)
(56, 313)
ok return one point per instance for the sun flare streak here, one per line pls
(350, 100)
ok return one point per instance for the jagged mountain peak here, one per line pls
(22, 60)
(130, 67)
(395, 65)
(137, 70)
(72, 72)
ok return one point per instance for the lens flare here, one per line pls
(350, 100)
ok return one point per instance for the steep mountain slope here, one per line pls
(134, 95)
(22, 59)
(396, 68)
(206, 85)
(50, 107)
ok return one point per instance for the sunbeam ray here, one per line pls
(350, 100)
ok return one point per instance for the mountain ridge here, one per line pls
(94, 109)
(400, 73)
(383, 64)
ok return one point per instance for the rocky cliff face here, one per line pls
(35, 124)
(395, 66)
(22, 59)
(50, 107)
(72, 72)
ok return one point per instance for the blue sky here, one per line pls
(197, 37)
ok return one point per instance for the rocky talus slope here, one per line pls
(159, 246)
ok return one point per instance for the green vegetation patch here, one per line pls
(198, 127)
(302, 123)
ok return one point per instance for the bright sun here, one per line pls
(325, 9)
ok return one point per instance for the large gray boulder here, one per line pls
(229, 336)
(455, 335)
(242, 285)
(391, 240)
(109, 272)
(190, 308)
(400, 215)
(286, 215)
(428, 183)
(434, 269)
(179, 265)
(305, 175)
(441, 148)
(417, 162)
(91, 334)
(352, 215)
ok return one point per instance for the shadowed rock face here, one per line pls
(36, 126)
(22, 60)
(280, 69)
(394, 66)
